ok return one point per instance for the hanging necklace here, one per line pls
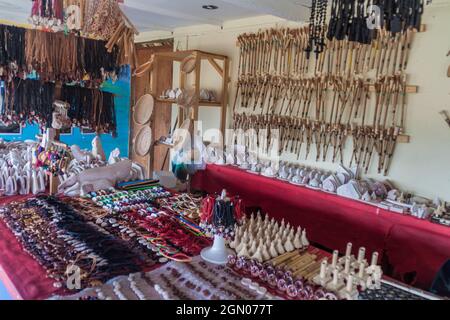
(316, 40)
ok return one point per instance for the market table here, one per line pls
(412, 250)
(22, 276)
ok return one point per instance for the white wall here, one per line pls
(423, 165)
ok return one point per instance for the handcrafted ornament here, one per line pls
(186, 98)
(21, 168)
(355, 271)
(219, 216)
(97, 179)
(114, 156)
(81, 156)
(350, 190)
(271, 238)
(317, 29)
(73, 17)
(143, 110)
(143, 141)
(60, 119)
(97, 149)
(189, 64)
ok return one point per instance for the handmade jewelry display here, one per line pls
(135, 286)
(285, 276)
(200, 280)
(97, 19)
(185, 205)
(48, 13)
(73, 58)
(12, 54)
(124, 201)
(220, 214)
(349, 18)
(32, 101)
(219, 217)
(118, 226)
(168, 235)
(196, 280)
(262, 239)
(58, 237)
(317, 27)
(28, 100)
(90, 108)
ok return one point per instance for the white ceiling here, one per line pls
(165, 15)
(153, 15)
(15, 10)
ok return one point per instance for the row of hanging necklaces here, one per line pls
(317, 27)
(35, 64)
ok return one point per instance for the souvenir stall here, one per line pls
(110, 189)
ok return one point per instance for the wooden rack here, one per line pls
(200, 56)
(142, 85)
(157, 161)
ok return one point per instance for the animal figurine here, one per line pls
(96, 179)
(81, 156)
(97, 149)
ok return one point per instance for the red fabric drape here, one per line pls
(21, 274)
(405, 243)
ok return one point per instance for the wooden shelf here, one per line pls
(201, 103)
(180, 55)
(162, 144)
(219, 63)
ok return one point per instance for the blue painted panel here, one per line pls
(121, 88)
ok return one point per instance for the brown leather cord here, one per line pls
(60, 57)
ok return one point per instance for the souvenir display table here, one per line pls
(26, 279)
(78, 225)
(411, 249)
(22, 276)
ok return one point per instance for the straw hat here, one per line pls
(143, 110)
(188, 64)
(143, 141)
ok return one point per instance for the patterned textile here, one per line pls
(102, 17)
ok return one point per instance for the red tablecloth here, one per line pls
(22, 276)
(408, 246)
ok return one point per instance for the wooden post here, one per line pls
(197, 85)
(223, 118)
